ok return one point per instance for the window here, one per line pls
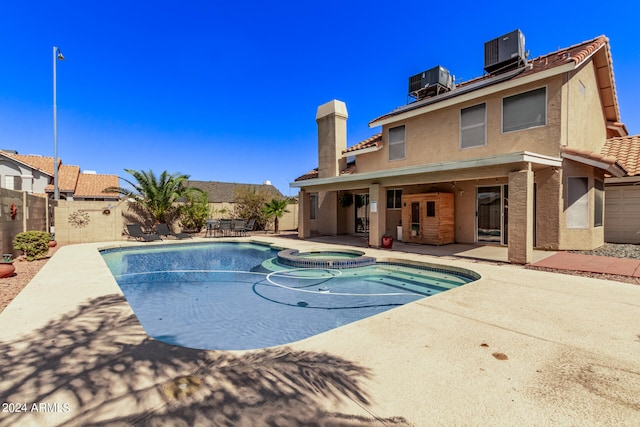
(598, 204)
(524, 110)
(472, 126)
(396, 143)
(431, 208)
(313, 205)
(394, 199)
(13, 182)
(577, 202)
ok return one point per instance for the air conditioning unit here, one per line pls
(505, 53)
(430, 82)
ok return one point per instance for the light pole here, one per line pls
(57, 54)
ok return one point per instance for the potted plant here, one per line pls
(387, 241)
(6, 266)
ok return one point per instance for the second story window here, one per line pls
(473, 124)
(525, 110)
(396, 143)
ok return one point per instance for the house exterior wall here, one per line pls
(33, 181)
(435, 137)
(585, 122)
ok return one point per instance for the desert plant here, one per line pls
(249, 203)
(156, 194)
(275, 209)
(195, 211)
(34, 244)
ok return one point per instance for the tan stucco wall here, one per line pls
(435, 137)
(549, 206)
(584, 118)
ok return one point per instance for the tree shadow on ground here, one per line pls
(100, 363)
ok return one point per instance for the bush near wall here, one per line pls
(34, 244)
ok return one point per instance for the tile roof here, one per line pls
(67, 179)
(41, 163)
(220, 192)
(313, 174)
(374, 141)
(93, 185)
(626, 150)
(611, 164)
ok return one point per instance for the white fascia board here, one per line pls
(480, 93)
(363, 151)
(630, 180)
(612, 169)
(501, 159)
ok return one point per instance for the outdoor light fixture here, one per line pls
(57, 54)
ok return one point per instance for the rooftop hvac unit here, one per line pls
(430, 82)
(505, 53)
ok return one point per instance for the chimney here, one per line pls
(332, 138)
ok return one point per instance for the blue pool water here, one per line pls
(235, 296)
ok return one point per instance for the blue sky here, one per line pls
(228, 91)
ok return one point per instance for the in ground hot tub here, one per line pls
(331, 258)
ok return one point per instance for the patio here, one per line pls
(517, 347)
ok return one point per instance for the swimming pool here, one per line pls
(236, 296)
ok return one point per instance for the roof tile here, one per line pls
(626, 150)
(93, 185)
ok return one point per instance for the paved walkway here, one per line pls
(591, 263)
(517, 347)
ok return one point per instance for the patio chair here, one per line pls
(135, 231)
(213, 226)
(163, 230)
(250, 225)
(239, 227)
(225, 227)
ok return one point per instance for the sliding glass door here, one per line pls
(492, 214)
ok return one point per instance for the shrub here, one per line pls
(195, 211)
(34, 244)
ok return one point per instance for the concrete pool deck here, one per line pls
(517, 347)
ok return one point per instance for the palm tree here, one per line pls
(156, 194)
(275, 208)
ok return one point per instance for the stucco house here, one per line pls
(514, 157)
(34, 174)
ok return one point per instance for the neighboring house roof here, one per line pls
(67, 179)
(41, 163)
(627, 150)
(541, 67)
(92, 185)
(220, 192)
(70, 180)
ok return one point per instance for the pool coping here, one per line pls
(530, 337)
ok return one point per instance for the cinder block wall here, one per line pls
(88, 221)
(30, 215)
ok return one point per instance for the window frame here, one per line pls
(483, 124)
(544, 119)
(403, 143)
(577, 209)
(396, 198)
(313, 206)
(598, 203)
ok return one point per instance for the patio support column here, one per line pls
(521, 216)
(304, 214)
(377, 214)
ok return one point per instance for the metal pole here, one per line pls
(56, 193)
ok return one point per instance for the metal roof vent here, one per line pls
(431, 82)
(505, 53)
